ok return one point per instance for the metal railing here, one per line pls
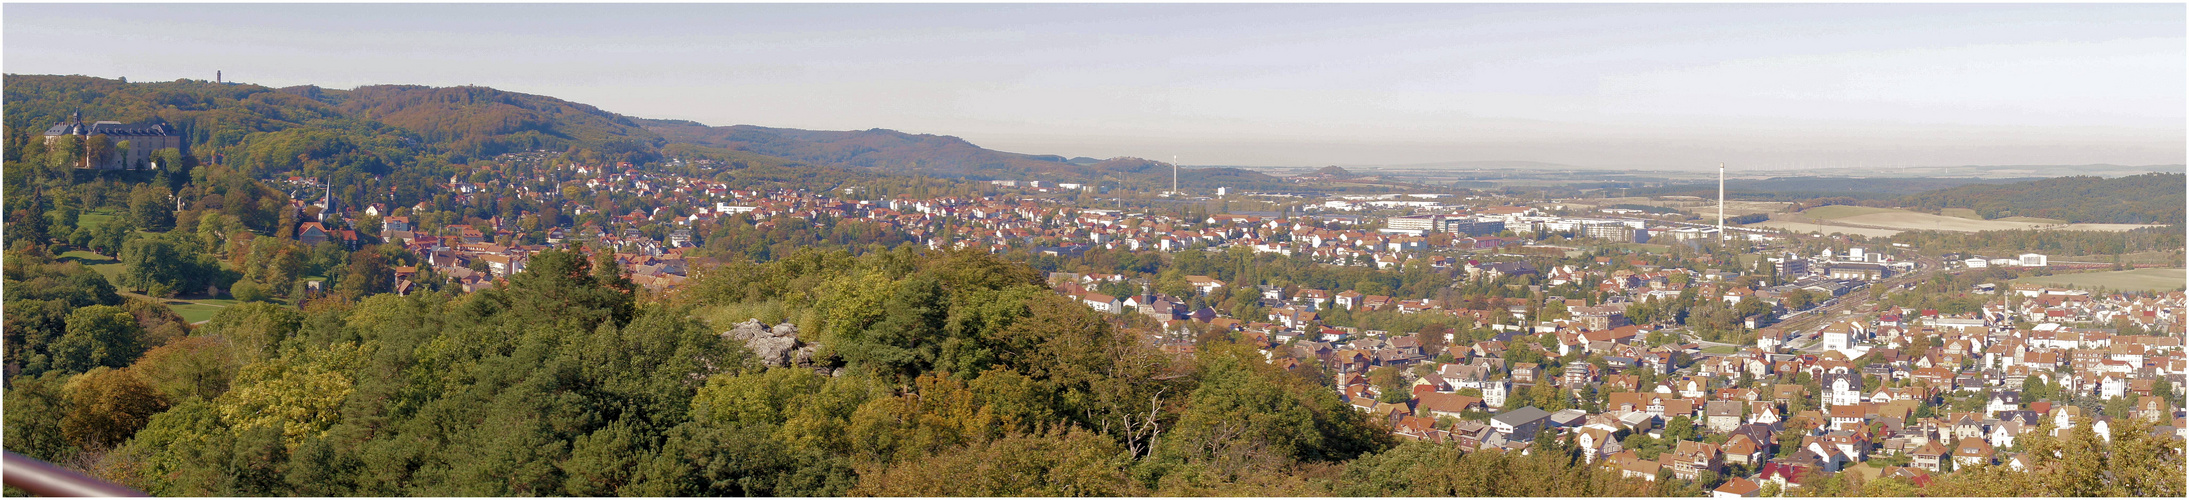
(41, 478)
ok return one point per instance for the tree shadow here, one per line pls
(94, 260)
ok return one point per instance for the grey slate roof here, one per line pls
(1522, 416)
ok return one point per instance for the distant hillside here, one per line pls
(1480, 164)
(255, 127)
(279, 130)
(2155, 198)
(481, 121)
(1800, 188)
(2035, 171)
(896, 152)
(378, 138)
(877, 149)
(371, 129)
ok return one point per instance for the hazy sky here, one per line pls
(1624, 85)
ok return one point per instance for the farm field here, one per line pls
(1844, 211)
(1972, 215)
(2153, 279)
(2101, 227)
(1902, 220)
(1914, 221)
(2154, 257)
(1806, 227)
(1705, 208)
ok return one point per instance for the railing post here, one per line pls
(41, 478)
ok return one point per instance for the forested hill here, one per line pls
(892, 151)
(267, 131)
(879, 149)
(370, 130)
(2154, 198)
(256, 128)
(485, 121)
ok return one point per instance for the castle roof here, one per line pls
(113, 129)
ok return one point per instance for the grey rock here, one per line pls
(776, 347)
(773, 351)
(748, 330)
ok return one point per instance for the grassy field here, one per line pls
(2152, 257)
(1893, 219)
(1701, 207)
(1843, 211)
(108, 266)
(2153, 279)
(1971, 214)
(92, 219)
(1810, 227)
(1920, 221)
(87, 258)
(2098, 227)
(1916, 221)
(193, 312)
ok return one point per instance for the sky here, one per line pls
(1758, 87)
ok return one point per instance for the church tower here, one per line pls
(326, 199)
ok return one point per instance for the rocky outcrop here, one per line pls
(777, 347)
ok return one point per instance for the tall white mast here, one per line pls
(1174, 174)
(1721, 201)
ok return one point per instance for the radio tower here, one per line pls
(1174, 175)
(1721, 201)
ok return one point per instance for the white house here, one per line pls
(1494, 392)
(1842, 389)
(1840, 335)
(2112, 387)
(1103, 303)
